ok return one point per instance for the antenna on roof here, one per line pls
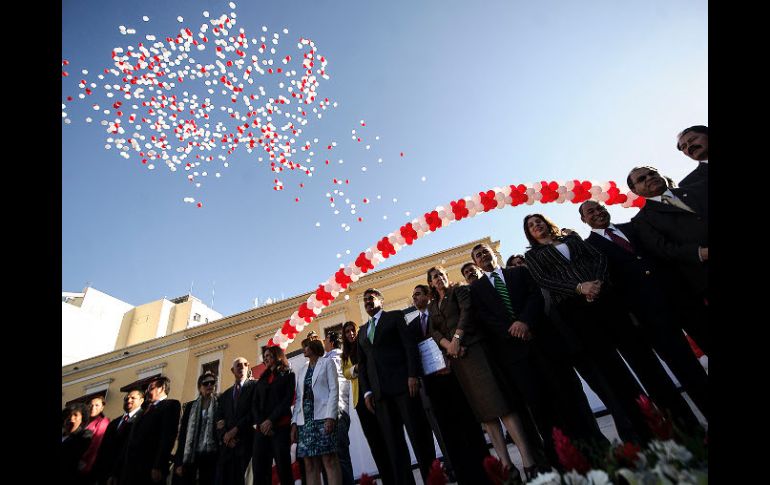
(191, 286)
(213, 287)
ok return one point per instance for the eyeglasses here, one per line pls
(209, 383)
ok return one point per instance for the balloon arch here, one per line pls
(573, 191)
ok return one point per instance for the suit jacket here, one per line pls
(673, 235)
(551, 270)
(386, 363)
(72, 450)
(698, 177)
(237, 413)
(326, 392)
(452, 312)
(490, 312)
(273, 401)
(638, 280)
(114, 447)
(151, 440)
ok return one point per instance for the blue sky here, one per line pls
(475, 95)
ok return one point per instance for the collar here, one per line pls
(658, 198)
(705, 162)
(332, 353)
(377, 316)
(154, 403)
(242, 382)
(497, 270)
(601, 231)
(132, 413)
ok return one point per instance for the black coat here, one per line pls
(273, 401)
(151, 440)
(72, 450)
(696, 178)
(237, 414)
(673, 235)
(113, 447)
(385, 364)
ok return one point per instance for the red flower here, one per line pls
(658, 424)
(627, 453)
(495, 471)
(436, 475)
(569, 456)
(366, 480)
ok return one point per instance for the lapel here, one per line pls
(691, 199)
(378, 327)
(608, 247)
(317, 371)
(655, 206)
(491, 291)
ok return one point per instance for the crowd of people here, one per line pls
(609, 308)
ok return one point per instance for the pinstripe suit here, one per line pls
(593, 326)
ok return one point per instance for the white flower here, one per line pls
(669, 451)
(551, 478)
(598, 477)
(574, 478)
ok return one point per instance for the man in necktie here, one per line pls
(673, 228)
(106, 468)
(388, 372)
(640, 288)
(148, 452)
(234, 426)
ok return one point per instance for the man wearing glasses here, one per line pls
(673, 227)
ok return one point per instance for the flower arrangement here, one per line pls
(671, 457)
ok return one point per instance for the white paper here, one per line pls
(431, 356)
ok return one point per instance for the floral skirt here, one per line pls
(314, 441)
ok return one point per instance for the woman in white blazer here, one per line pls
(315, 414)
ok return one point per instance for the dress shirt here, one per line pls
(491, 278)
(617, 231)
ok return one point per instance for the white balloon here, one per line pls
(530, 201)
(368, 254)
(347, 271)
(595, 190)
(570, 185)
(354, 277)
(561, 199)
(604, 196)
(476, 198)
(569, 195)
(538, 196)
(420, 233)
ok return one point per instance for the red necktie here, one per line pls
(619, 240)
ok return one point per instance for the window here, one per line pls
(197, 317)
(212, 366)
(337, 328)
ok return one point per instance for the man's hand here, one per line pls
(294, 433)
(230, 435)
(704, 254)
(414, 386)
(266, 428)
(156, 475)
(369, 400)
(329, 425)
(520, 330)
(179, 470)
(221, 424)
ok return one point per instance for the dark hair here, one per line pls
(349, 349)
(424, 288)
(161, 381)
(373, 291)
(279, 356)
(513, 256)
(315, 346)
(100, 397)
(697, 129)
(669, 181)
(203, 377)
(432, 292)
(76, 407)
(553, 228)
(334, 338)
(469, 263)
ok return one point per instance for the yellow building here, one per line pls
(183, 353)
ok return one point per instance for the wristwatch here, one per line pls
(457, 336)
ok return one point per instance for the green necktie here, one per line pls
(502, 291)
(370, 330)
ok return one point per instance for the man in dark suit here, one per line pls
(694, 142)
(388, 369)
(458, 433)
(510, 318)
(673, 227)
(107, 466)
(234, 425)
(641, 287)
(148, 452)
